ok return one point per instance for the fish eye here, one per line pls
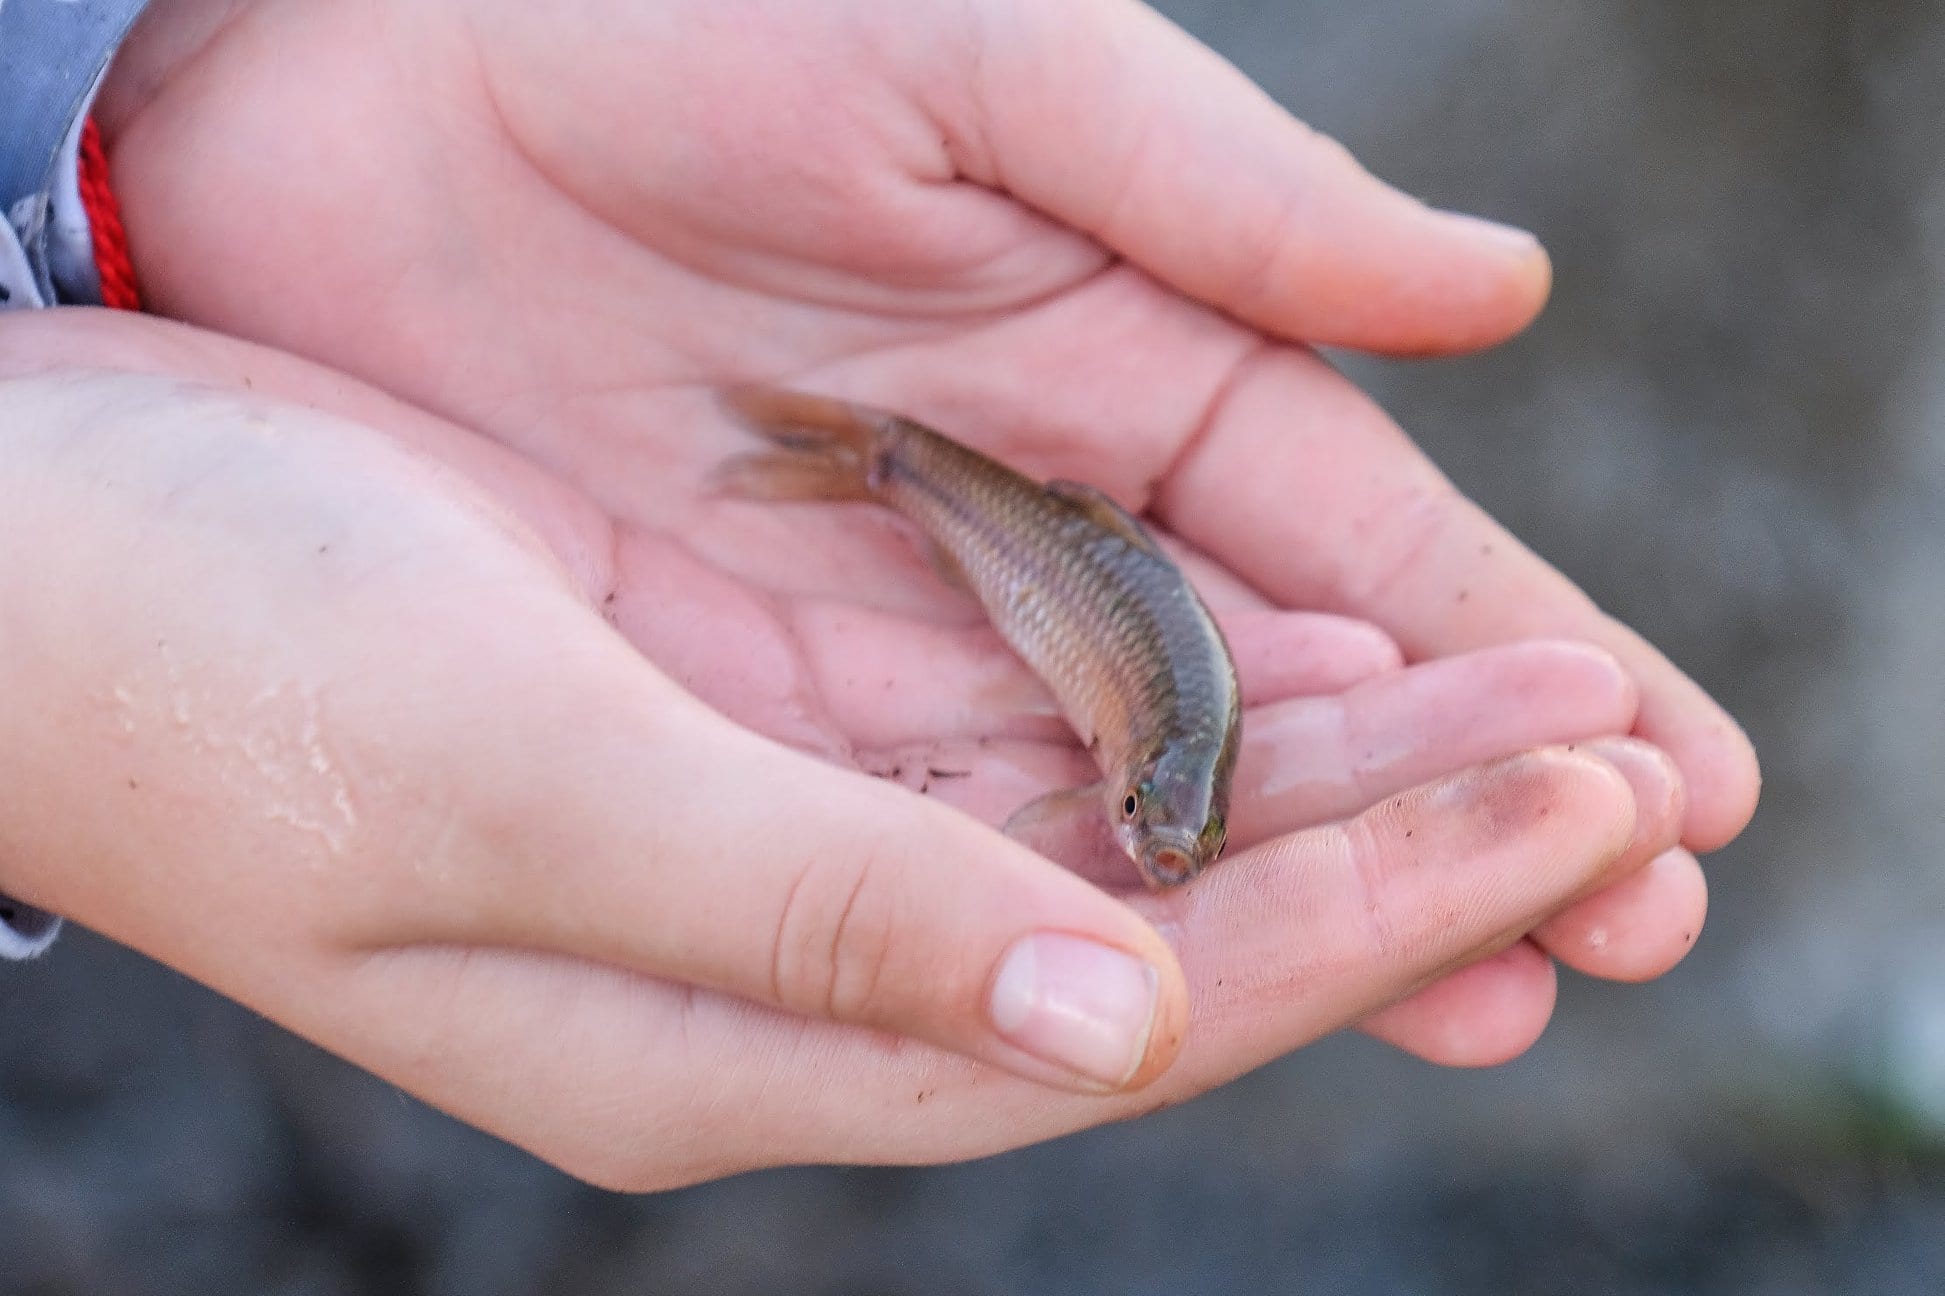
(1130, 804)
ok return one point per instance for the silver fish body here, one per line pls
(1071, 581)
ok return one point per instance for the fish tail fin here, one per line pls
(827, 449)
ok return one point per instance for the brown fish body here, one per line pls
(1070, 581)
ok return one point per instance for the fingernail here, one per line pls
(1076, 1005)
(1511, 238)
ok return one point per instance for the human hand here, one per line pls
(313, 699)
(1003, 216)
(716, 216)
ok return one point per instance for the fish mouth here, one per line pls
(1169, 859)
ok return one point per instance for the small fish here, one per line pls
(1072, 583)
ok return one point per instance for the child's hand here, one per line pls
(317, 699)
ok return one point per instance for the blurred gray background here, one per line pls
(1728, 426)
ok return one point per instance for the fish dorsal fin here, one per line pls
(1094, 503)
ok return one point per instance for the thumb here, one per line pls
(1114, 120)
(624, 823)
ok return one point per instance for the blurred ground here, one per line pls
(1727, 427)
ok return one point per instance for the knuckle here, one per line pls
(1420, 520)
(836, 938)
(1256, 261)
(1373, 847)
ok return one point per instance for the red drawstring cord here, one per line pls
(105, 224)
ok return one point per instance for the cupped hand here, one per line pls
(320, 700)
(1067, 234)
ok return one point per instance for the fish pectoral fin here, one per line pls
(1099, 508)
(1071, 828)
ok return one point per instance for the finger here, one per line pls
(1315, 759)
(1311, 760)
(1126, 128)
(1637, 929)
(603, 816)
(1484, 1014)
(1421, 883)
(1645, 914)
(1483, 1017)
(1382, 535)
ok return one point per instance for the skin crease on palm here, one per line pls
(656, 945)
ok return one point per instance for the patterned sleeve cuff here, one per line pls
(82, 254)
(53, 56)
